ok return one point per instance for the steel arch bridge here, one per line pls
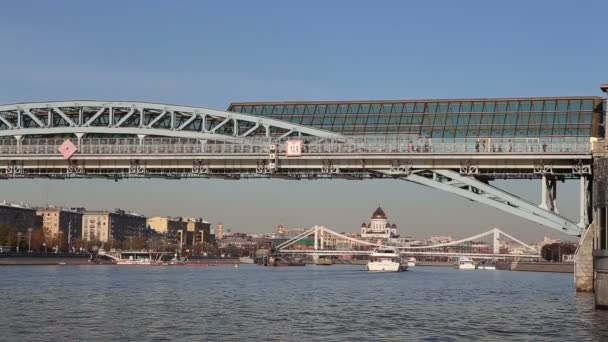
(121, 139)
(141, 119)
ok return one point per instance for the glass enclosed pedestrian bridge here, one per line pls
(549, 119)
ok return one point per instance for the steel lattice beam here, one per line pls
(475, 190)
(99, 117)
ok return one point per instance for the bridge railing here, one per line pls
(350, 145)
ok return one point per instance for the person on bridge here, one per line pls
(477, 146)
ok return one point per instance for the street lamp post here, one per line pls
(70, 237)
(59, 245)
(18, 240)
(29, 240)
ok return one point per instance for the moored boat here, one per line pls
(323, 262)
(246, 260)
(386, 259)
(135, 261)
(488, 266)
(277, 261)
(466, 263)
(411, 262)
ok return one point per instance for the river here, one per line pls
(316, 303)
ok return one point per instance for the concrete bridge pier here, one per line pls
(583, 268)
(600, 216)
(600, 231)
(600, 228)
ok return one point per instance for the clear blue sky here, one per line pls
(211, 53)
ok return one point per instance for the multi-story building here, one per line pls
(239, 240)
(19, 217)
(118, 225)
(198, 230)
(219, 231)
(174, 229)
(68, 221)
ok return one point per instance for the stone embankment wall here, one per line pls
(560, 267)
(44, 261)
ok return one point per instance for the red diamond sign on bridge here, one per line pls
(67, 149)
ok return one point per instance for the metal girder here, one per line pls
(35, 118)
(475, 190)
(158, 117)
(75, 112)
(65, 117)
(94, 117)
(124, 118)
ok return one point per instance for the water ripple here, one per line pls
(338, 303)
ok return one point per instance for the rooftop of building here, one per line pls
(379, 214)
(114, 212)
(481, 99)
(20, 205)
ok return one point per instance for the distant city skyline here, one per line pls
(213, 53)
(257, 205)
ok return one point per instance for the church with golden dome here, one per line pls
(379, 227)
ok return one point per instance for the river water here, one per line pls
(316, 303)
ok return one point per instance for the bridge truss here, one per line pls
(141, 119)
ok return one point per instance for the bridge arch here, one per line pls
(142, 119)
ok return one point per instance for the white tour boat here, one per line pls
(466, 263)
(411, 262)
(386, 259)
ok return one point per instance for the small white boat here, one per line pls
(386, 259)
(411, 262)
(134, 261)
(466, 263)
(246, 260)
(487, 266)
(177, 261)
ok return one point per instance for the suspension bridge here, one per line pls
(322, 241)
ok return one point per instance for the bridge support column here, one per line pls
(316, 245)
(79, 138)
(583, 267)
(266, 131)
(600, 208)
(549, 194)
(496, 249)
(18, 138)
(600, 225)
(584, 204)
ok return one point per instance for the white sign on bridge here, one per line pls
(294, 148)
